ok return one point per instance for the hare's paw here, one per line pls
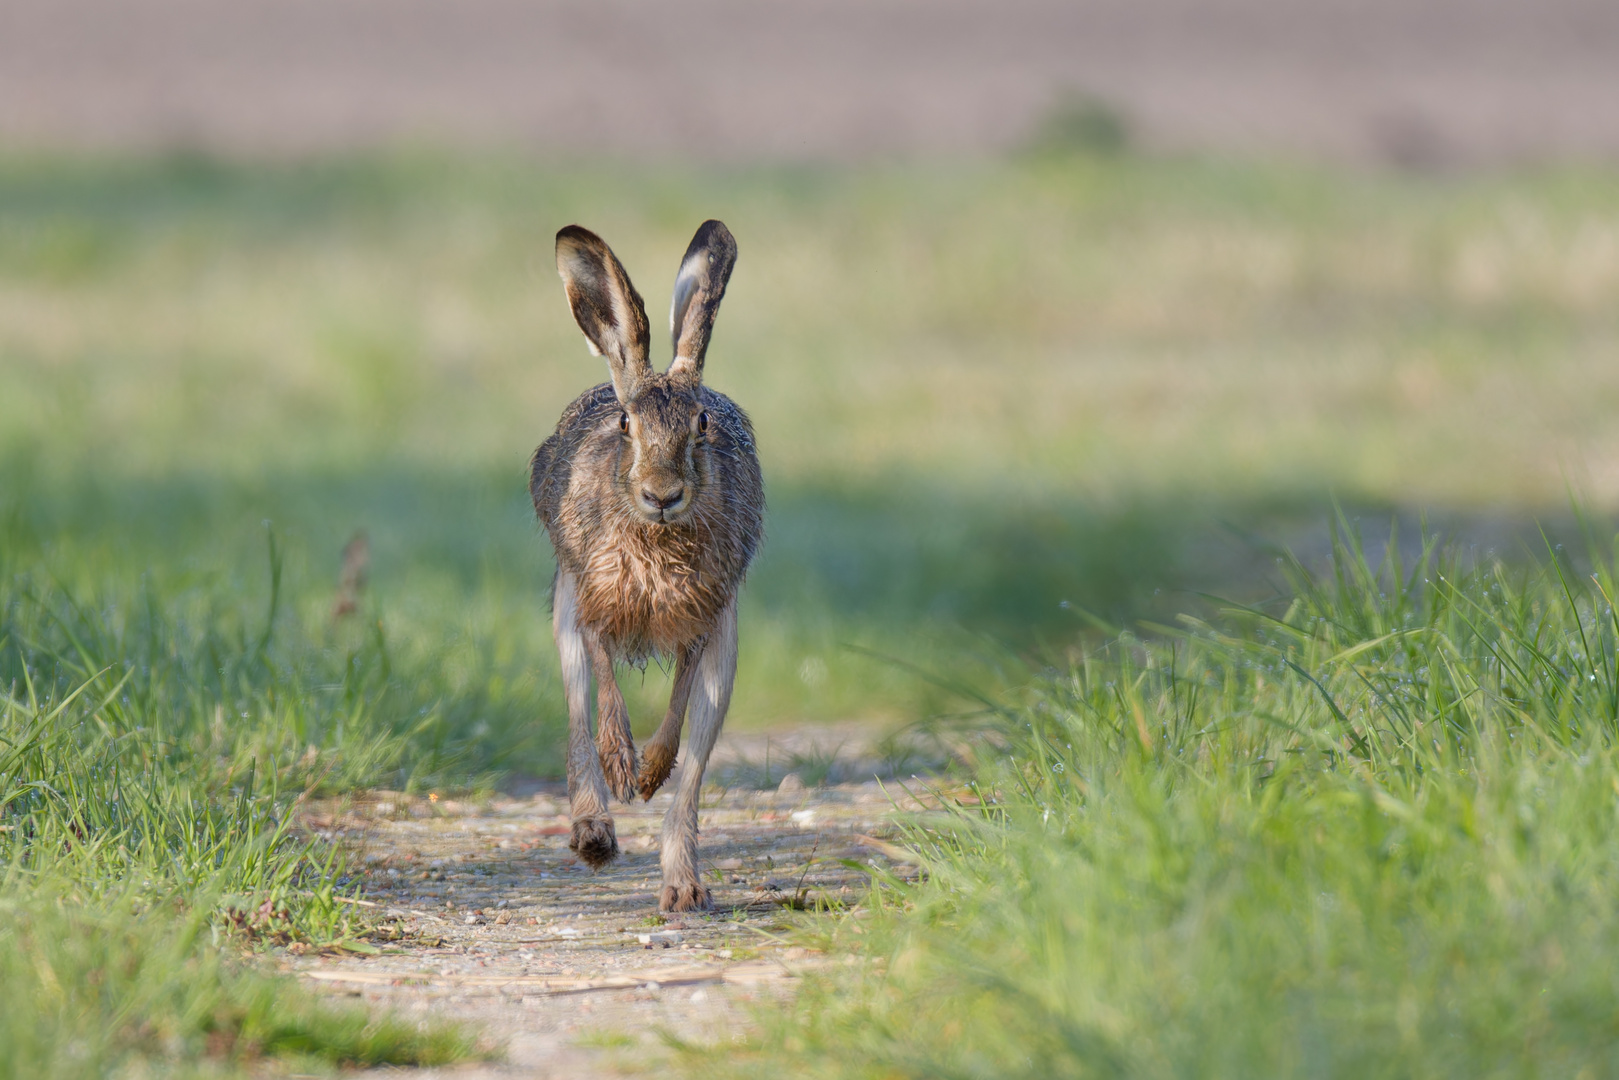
(655, 768)
(689, 896)
(594, 842)
(618, 765)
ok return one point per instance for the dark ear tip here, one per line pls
(577, 237)
(713, 233)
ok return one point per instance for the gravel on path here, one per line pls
(573, 973)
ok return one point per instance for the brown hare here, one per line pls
(651, 493)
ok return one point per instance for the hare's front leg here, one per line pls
(659, 760)
(711, 696)
(614, 743)
(593, 839)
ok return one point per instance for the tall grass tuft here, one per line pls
(151, 763)
(1369, 830)
(225, 685)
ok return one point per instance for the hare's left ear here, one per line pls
(606, 307)
(699, 287)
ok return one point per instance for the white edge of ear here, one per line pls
(685, 285)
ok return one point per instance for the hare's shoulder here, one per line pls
(585, 412)
(553, 460)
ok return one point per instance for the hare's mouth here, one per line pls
(663, 506)
(665, 517)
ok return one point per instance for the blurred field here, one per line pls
(1439, 84)
(988, 396)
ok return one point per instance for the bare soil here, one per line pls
(1434, 83)
(569, 972)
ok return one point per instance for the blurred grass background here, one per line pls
(991, 397)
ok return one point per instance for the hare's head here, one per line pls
(663, 430)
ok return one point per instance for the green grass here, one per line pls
(1369, 829)
(102, 993)
(151, 759)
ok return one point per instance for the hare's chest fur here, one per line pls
(649, 589)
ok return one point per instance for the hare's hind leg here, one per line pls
(659, 759)
(711, 696)
(593, 839)
(614, 743)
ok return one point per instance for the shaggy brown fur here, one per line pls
(651, 494)
(649, 587)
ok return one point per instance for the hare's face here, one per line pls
(663, 431)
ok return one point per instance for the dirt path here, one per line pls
(573, 973)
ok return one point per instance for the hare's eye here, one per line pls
(624, 423)
(702, 423)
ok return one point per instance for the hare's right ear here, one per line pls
(606, 307)
(699, 288)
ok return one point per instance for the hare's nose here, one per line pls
(665, 501)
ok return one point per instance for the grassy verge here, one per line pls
(150, 763)
(99, 991)
(1369, 830)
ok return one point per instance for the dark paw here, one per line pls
(618, 763)
(689, 897)
(593, 841)
(659, 763)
